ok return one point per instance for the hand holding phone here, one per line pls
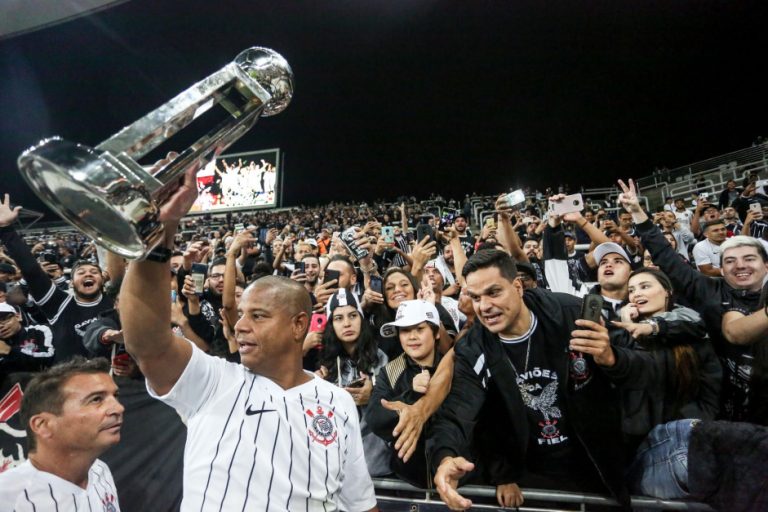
(330, 275)
(375, 284)
(568, 204)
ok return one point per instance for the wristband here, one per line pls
(159, 255)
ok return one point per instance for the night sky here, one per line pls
(410, 97)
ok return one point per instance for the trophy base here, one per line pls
(96, 193)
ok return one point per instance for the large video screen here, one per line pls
(239, 181)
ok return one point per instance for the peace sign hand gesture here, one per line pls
(629, 200)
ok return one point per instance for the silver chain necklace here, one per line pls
(520, 385)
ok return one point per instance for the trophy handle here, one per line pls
(105, 192)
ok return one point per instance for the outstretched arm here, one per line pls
(145, 311)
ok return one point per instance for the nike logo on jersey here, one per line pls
(251, 412)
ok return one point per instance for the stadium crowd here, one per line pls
(609, 350)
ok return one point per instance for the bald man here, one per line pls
(265, 434)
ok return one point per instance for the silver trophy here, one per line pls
(104, 191)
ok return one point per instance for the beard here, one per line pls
(88, 296)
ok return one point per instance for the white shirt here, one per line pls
(26, 489)
(706, 253)
(252, 445)
(684, 218)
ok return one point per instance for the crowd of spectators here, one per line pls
(467, 350)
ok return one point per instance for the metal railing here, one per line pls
(708, 175)
(535, 499)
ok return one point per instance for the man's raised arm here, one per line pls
(145, 303)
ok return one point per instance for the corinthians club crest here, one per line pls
(321, 428)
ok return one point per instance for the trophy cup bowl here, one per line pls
(107, 194)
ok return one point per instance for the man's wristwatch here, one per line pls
(159, 254)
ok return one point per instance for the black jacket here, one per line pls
(395, 383)
(482, 371)
(711, 297)
(107, 320)
(646, 376)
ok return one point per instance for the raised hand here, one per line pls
(628, 197)
(8, 215)
(422, 252)
(177, 205)
(426, 293)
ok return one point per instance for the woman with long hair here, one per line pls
(683, 374)
(351, 360)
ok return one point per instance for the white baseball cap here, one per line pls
(409, 313)
(7, 308)
(607, 248)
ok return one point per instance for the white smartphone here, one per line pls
(569, 204)
(515, 198)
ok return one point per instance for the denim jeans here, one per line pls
(660, 468)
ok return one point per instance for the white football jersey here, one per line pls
(251, 445)
(27, 489)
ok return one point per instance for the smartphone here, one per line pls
(388, 233)
(446, 220)
(348, 239)
(515, 198)
(330, 275)
(424, 230)
(239, 228)
(569, 204)
(301, 267)
(592, 307)
(356, 383)
(317, 322)
(199, 270)
(375, 284)
(704, 196)
(756, 207)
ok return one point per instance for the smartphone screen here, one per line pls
(199, 270)
(375, 284)
(592, 307)
(388, 233)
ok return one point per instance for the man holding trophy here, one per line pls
(265, 434)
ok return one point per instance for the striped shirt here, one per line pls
(27, 489)
(252, 445)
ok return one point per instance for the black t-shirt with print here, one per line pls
(553, 451)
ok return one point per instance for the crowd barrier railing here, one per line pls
(579, 501)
